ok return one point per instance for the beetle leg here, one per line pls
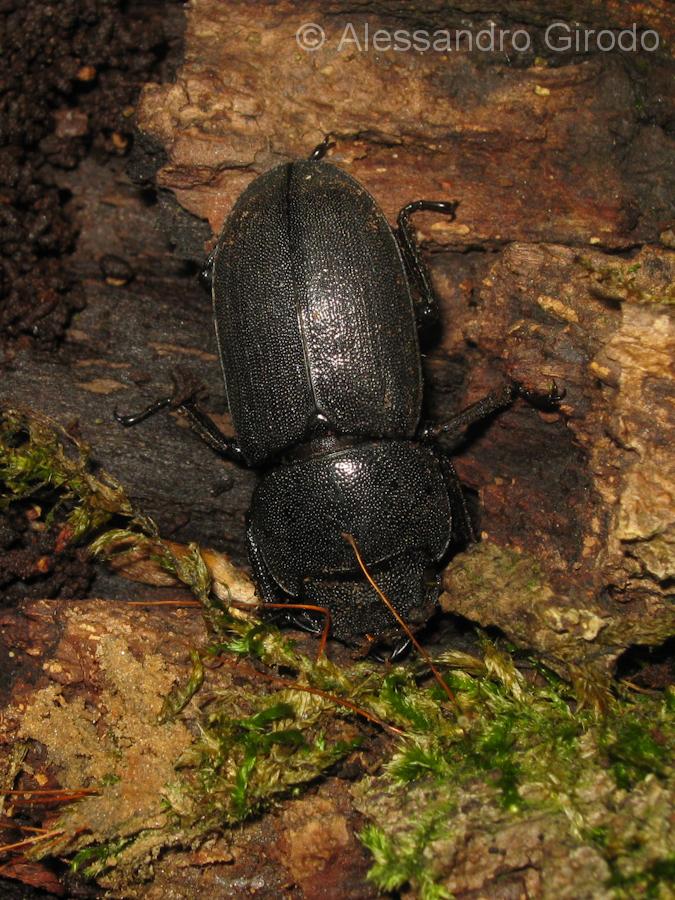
(185, 400)
(295, 613)
(543, 400)
(266, 585)
(462, 526)
(480, 410)
(473, 414)
(321, 149)
(269, 589)
(136, 418)
(185, 386)
(304, 621)
(400, 650)
(427, 304)
(204, 426)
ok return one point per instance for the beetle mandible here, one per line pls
(317, 305)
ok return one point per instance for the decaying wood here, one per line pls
(90, 679)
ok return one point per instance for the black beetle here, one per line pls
(317, 306)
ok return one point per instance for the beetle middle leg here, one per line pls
(185, 400)
(456, 428)
(427, 304)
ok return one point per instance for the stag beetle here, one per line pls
(317, 306)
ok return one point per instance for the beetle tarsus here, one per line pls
(185, 400)
(543, 400)
(136, 418)
(185, 387)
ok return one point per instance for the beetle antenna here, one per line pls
(404, 625)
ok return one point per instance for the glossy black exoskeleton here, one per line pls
(317, 306)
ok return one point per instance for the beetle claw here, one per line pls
(400, 650)
(548, 400)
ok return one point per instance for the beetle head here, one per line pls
(359, 616)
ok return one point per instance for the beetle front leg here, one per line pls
(462, 526)
(456, 428)
(426, 307)
(321, 149)
(270, 591)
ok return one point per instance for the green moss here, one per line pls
(634, 752)
(623, 282)
(649, 883)
(533, 756)
(42, 461)
(180, 696)
(400, 862)
(93, 860)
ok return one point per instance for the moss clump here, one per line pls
(456, 804)
(627, 283)
(39, 459)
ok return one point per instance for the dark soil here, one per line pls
(71, 73)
